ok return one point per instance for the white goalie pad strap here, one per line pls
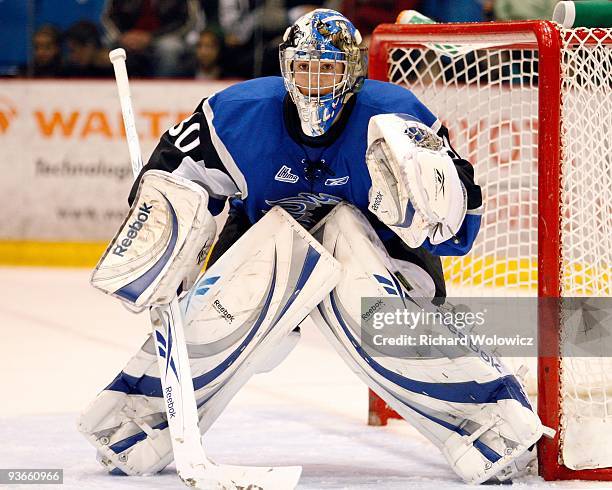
(416, 190)
(238, 320)
(473, 410)
(165, 235)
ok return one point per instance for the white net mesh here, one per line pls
(586, 177)
(586, 237)
(486, 93)
(488, 99)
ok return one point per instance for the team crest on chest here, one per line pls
(306, 208)
(285, 175)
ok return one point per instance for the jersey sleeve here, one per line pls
(462, 243)
(187, 150)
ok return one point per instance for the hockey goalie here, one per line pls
(339, 188)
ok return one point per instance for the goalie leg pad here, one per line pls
(475, 412)
(130, 431)
(239, 319)
(165, 235)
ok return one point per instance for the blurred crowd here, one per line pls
(207, 39)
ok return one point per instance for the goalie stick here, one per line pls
(194, 468)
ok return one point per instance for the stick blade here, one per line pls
(230, 477)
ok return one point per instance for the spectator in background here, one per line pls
(210, 11)
(86, 58)
(205, 60)
(254, 29)
(47, 54)
(526, 63)
(367, 14)
(297, 8)
(456, 10)
(151, 31)
(250, 26)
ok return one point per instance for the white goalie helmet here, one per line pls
(322, 64)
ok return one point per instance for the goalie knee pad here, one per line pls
(474, 411)
(239, 319)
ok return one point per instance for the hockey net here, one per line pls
(530, 105)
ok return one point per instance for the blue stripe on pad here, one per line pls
(383, 280)
(503, 388)
(160, 338)
(151, 386)
(312, 258)
(210, 280)
(485, 450)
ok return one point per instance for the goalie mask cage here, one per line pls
(530, 105)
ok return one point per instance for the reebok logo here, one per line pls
(439, 182)
(143, 215)
(170, 402)
(223, 311)
(337, 181)
(376, 306)
(285, 175)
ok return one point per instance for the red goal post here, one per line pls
(555, 92)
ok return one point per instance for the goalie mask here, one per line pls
(322, 65)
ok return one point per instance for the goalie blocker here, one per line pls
(163, 240)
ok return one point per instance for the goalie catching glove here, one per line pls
(416, 189)
(163, 241)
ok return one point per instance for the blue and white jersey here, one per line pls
(242, 143)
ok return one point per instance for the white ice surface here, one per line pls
(62, 341)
